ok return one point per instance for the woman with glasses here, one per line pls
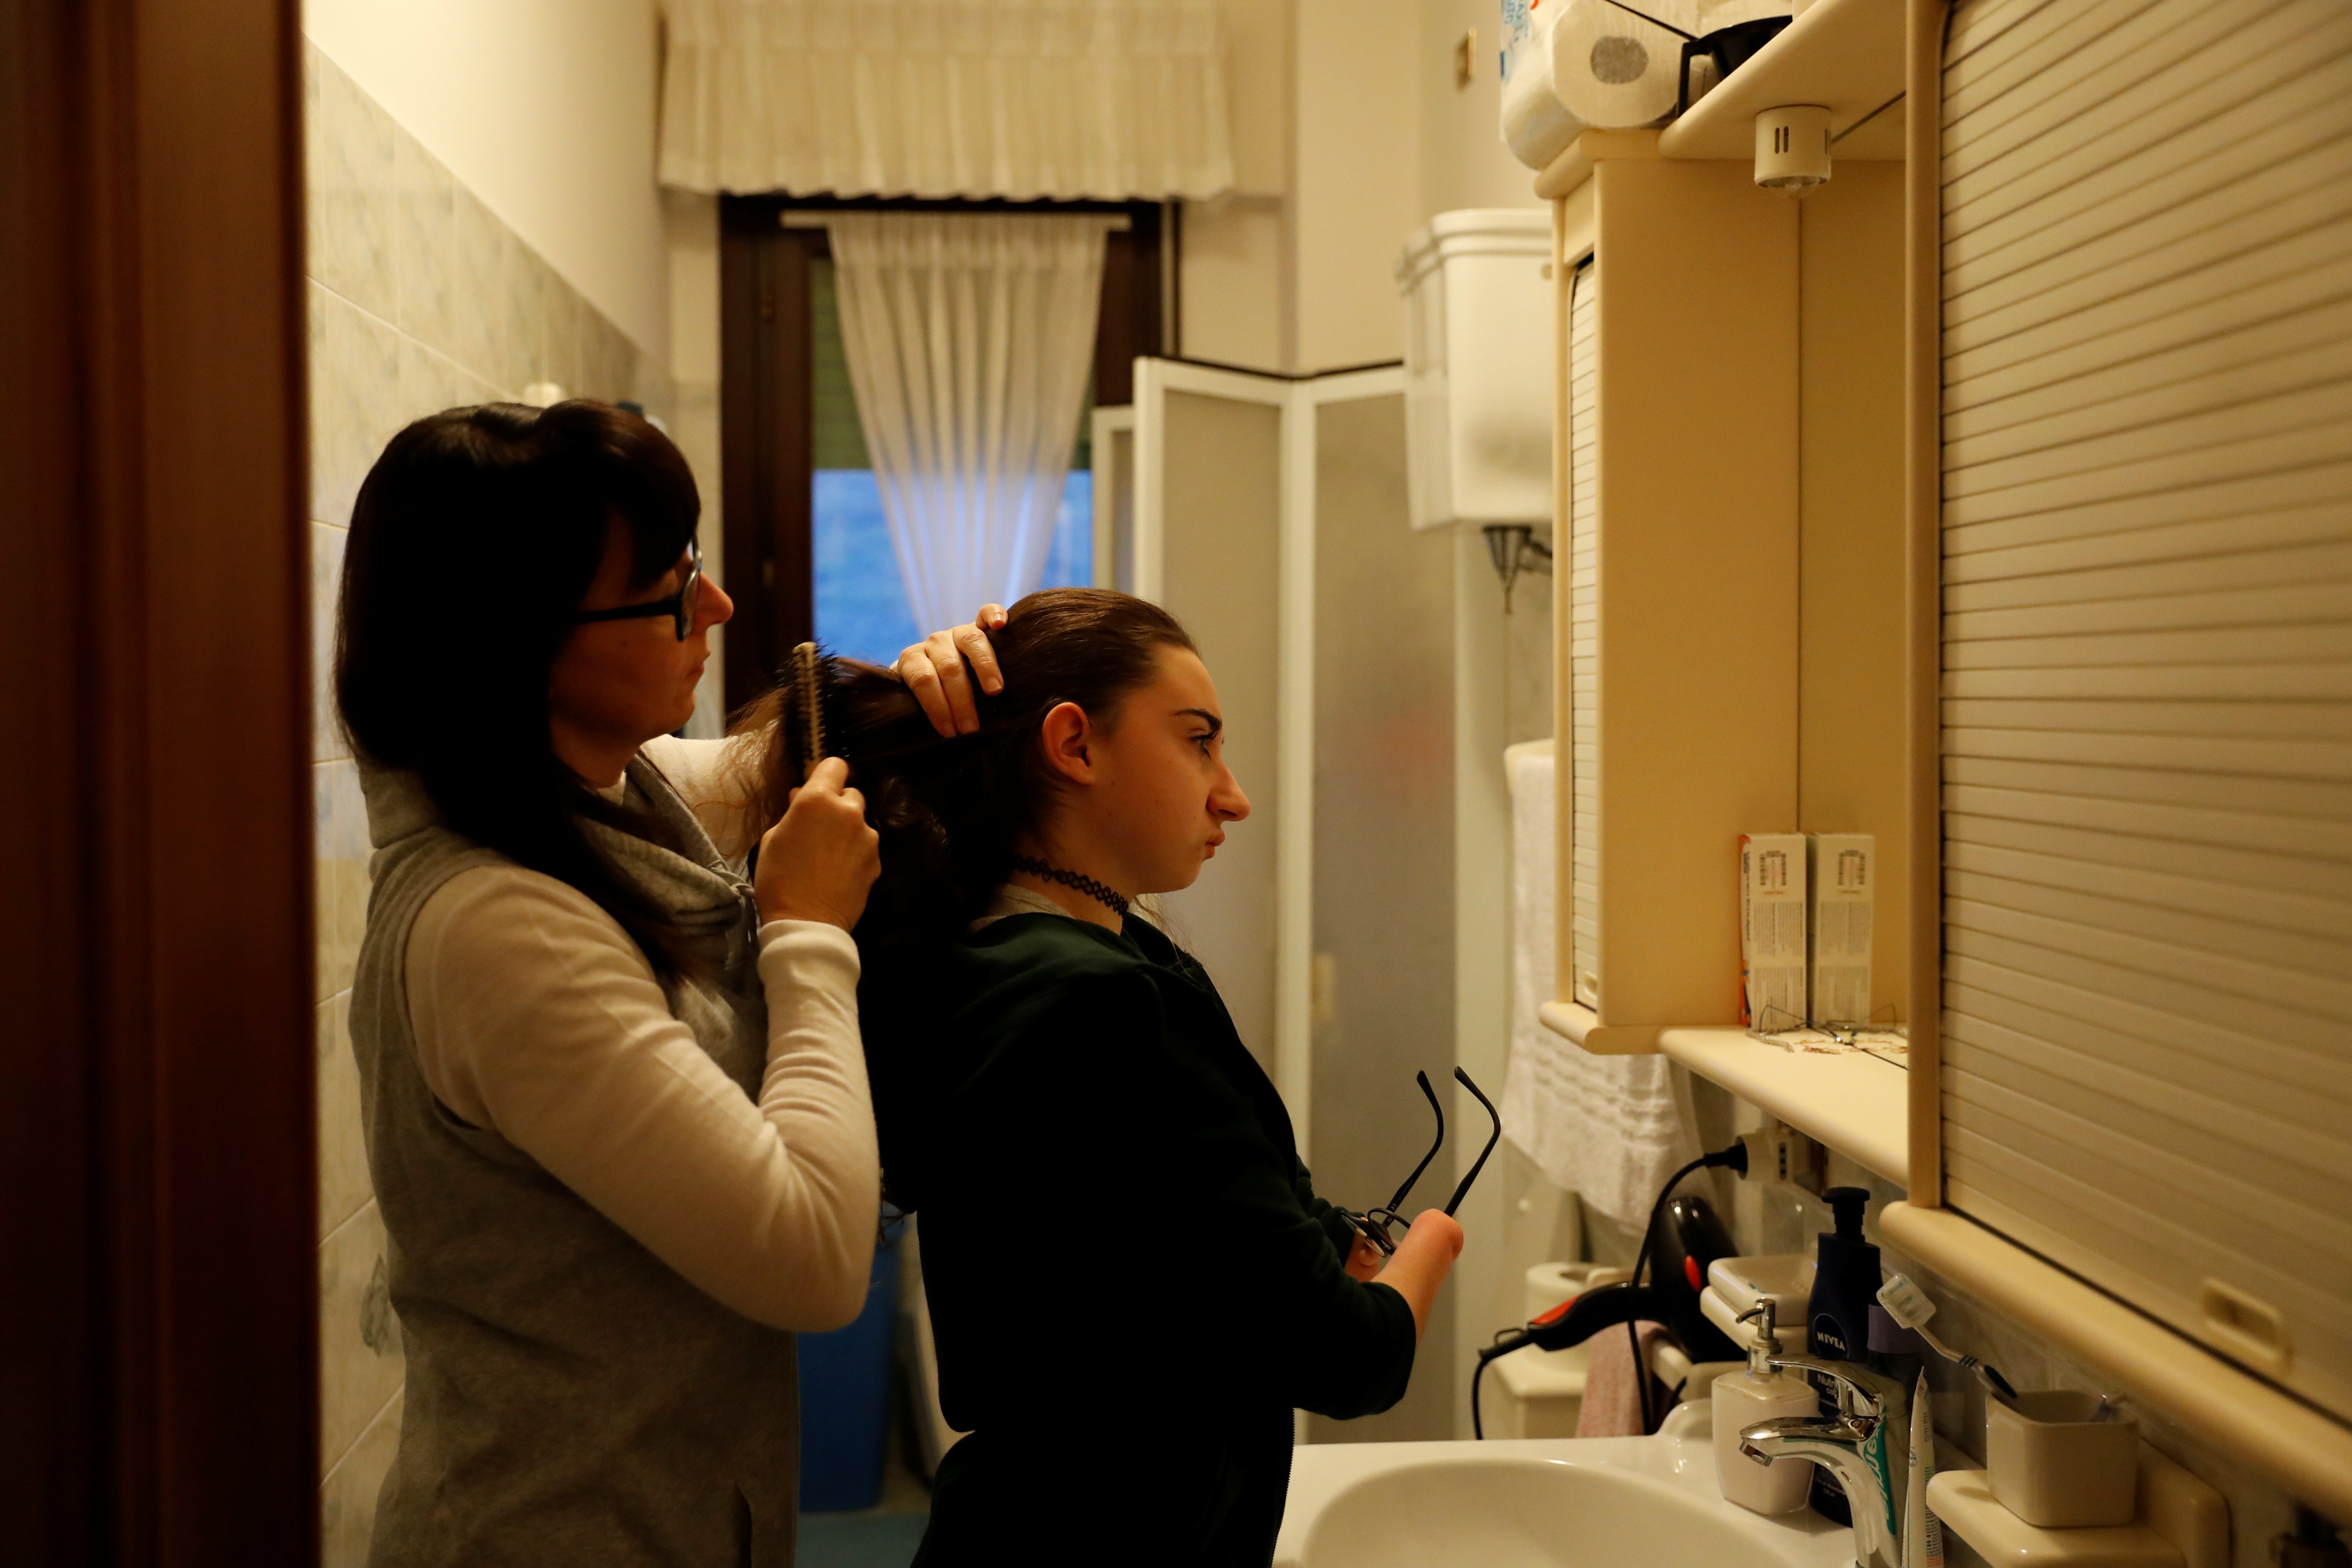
(616, 1114)
(1132, 1280)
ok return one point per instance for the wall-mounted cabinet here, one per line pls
(2132, 512)
(1994, 502)
(1729, 458)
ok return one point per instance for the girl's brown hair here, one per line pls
(951, 809)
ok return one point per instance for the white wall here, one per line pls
(545, 109)
(1236, 303)
(1234, 299)
(1348, 133)
(693, 262)
(1356, 177)
(1464, 163)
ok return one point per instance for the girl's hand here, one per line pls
(1364, 1260)
(1423, 1260)
(939, 671)
(820, 859)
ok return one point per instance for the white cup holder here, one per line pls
(2054, 1465)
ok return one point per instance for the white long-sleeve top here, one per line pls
(537, 1016)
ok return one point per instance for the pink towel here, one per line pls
(1613, 1401)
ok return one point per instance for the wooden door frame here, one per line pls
(1925, 25)
(159, 1396)
(766, 438)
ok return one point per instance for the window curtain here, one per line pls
(1025, 100)
(969, 338)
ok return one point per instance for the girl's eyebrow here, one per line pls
(1215, 724)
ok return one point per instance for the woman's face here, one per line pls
(1162, 792)
(618, 684)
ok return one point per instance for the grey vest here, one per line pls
(571, 1398)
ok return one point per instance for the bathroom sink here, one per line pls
(1609, 1502)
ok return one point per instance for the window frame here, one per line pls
(767, 401)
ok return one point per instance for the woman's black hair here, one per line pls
(473, 542)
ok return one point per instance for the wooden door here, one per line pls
(158, 1393)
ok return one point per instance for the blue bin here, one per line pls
(846, 1398)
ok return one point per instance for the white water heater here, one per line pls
(1478, 367)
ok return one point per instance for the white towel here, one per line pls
(1611, 1127)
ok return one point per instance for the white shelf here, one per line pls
(2182, 1523)
(1844, 54)
(1963, 1500)
(1853, 1102)
(1573, 165)
(1582, 1025)
(1565, 172)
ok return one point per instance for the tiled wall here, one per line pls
(420, 299)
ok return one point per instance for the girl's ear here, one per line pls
(1068, 738)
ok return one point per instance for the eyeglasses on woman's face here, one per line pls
(679, 607)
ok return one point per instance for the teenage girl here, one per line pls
(1132, 1280)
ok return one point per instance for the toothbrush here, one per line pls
(1908, 1305)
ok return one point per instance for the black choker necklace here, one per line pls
(1115, 902)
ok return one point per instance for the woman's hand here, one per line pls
(941, 669)
(820, 859)
(1364, 1260)
(1423, 1260)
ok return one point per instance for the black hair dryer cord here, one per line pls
(1628, 1302)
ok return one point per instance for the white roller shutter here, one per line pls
(2148, 657)
(1583, 580)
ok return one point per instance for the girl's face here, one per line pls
(618, 684)
(1161, 793)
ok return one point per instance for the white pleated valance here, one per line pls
(1022, 100)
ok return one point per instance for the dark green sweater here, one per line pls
(1131, 1282)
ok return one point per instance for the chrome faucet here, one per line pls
(1861, 1445)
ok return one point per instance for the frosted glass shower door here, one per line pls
(1270, 517)
(1207, 543)
(1113, 450)
(1382, 841)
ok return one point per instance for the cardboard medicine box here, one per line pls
(1773, 935)
(1842, 879)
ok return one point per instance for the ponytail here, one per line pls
(951, 809)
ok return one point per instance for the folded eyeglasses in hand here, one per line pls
(1375, 1223)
